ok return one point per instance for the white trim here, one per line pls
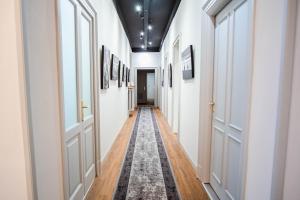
(212, 7)
(285, 93)
(176, 41)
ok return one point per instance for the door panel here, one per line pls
(86, 63)
(150, 86)
(142, 86)
(231, 79)
(218, 133)
(86, 86)
(221, 69)
(68, 31)
(239, 71)
(74, 167)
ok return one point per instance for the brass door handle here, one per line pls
(212, 104)
(82, 106)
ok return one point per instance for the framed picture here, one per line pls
(170, 75)
(162, 77)
(128, 75)
(114, 68)
(120, 75)
(104, 68)
(187, 58)
(126, 80)
(123, 73)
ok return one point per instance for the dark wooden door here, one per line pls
(142, 86)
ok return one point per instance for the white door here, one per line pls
(77, 69)
(150, 86)
(231, 79)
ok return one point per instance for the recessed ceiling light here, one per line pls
(143, 46)
(150, 43)
(142, 33)
(150, 27)
(138, 8)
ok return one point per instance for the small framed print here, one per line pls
(187, 58)
(170, 75)
(105, 59)
(114, 68)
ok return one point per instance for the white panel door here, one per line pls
(231, 78)
(77, 80)
(87, 106)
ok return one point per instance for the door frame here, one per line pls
(156, 69)
(177, 41)
(88, 6)
(210, 9)
(166, 85)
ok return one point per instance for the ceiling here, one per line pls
(137, 15)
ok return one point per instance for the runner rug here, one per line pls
(146, 172)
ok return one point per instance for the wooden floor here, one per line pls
(189, 186)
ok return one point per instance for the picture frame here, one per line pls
(114, 68)
(127, 78)
(120, 75)
(170, 75)
(123, 73)
(104, 67)
(187, 58)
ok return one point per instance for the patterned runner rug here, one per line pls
(146, 173)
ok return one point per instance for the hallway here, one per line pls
(188, 185)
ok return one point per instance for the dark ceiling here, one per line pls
(157, 13)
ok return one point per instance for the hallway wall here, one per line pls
(114, 100)
(15, 168)
(146, 60)
(186, 25)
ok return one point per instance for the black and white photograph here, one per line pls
(114, 68)
(187, 58)
(120, 75)
(123, 73)
(170, 75)
(105, 59)
(127, 76)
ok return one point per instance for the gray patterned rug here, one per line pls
(146, 173)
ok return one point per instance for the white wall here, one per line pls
(113, 101)
(149, 59)
(186, 24)
(268, 49)
(292, 171)
(40, 38)
(15, 168)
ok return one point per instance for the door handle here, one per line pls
(82, 107)
(212, 104)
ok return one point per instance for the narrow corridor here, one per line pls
(117, 163)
